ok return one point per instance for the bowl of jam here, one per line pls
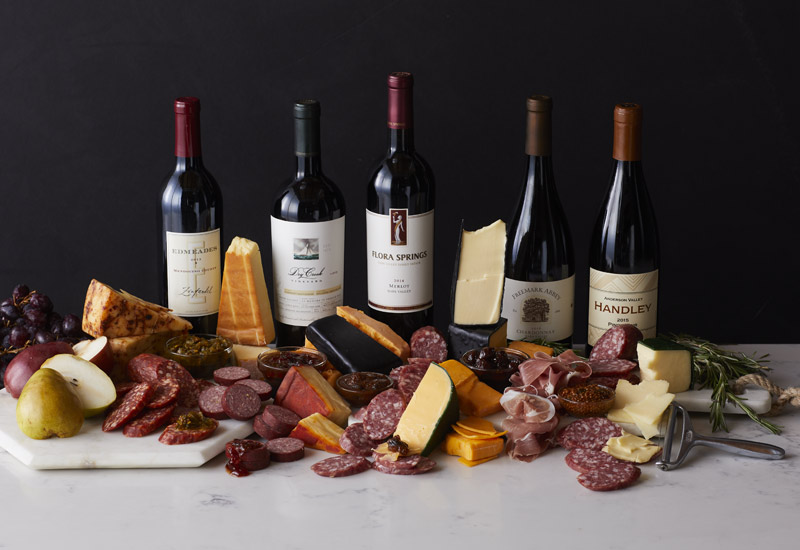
(358, 388)
(586, 400)
(494, 366)
(275, 363)
(200, 354)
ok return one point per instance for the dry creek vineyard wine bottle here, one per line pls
(400, 200)
(190, 233)
(624, 252)
(538, 300)
(307, 226)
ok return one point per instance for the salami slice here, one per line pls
(149, 422)
(355, 440)
(124, 388)
(166, 392)
(240, 402)
(424, 465)
(410, 379)
(383, 414)
(246, 453)
(263, 389)
(429, 342)
(402, 463)
(618, 342)
(612, 367)
(189, 393)
(341, 466)
(173, 436)
(584, 460)
(589, 433)
(263, 429)
(132, 404)
(144, 367)
(211, 402)
(228, 376)
(358, 416)
(610, 477)
(286, 449)
(280, 419)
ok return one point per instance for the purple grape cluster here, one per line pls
(27, 318)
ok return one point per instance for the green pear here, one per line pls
(49, 406)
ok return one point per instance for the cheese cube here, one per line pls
(661, 359)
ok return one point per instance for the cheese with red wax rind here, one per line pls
(305, 391)
(318, 432)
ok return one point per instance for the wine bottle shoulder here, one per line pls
(401, 180)
(308, 199)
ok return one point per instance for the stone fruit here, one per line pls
(98, 351)
(28, 361)
(95, 389)
(49, 406)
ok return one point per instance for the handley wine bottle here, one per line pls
(191, 227)
(400, 199)
(307, 226)
(624, 253)
(540, 266)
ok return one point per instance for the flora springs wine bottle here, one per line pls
(624, 252)
(540, 266)
(307, 226)
(400, 198)
(191, 227)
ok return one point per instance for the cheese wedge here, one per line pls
(474, 397)
(247, 356)
(305, 392)
(318, 432)
(662, 359)
(380, 332)
(114, 314)
(245, 315)
(481, 274)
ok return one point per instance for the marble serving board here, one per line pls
(94, 448)
(754, 397)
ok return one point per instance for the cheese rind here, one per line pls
(349, 349)
(380, 332)
(464, 338)
(662, 359)
(481, 273)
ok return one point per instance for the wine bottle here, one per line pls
(400, 200)
(307, 226)
(624, 253)
(540, 266)
(191, 227)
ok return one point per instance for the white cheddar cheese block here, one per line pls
(631, 448)
(646, 414)
(662, 359)
(481, 267)
(245, 315)
(627, 393)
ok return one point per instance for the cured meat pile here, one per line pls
(531, 423)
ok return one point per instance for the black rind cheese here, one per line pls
(349, 349)
(466, 337)
(455, 275)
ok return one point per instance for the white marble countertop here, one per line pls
(715, 500)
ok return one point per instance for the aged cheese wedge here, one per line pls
(475, 398)
(318, 432)
(245, 315)
(631, 448)
(479, 284)
(305, 392)
(114, 314)
(380, 332)
(472, 449)
(464, 338)
(662, 359)
(636, 403)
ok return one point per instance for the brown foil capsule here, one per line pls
(539, 136)
(627, 132)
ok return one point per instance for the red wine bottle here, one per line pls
(540, 266)
(624, 253)
(400, 200)
(307, 226)
(191, 227)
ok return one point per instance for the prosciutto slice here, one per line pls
(531, 423)
(550, 374)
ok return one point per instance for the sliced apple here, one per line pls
(93, 386)
(98, 351)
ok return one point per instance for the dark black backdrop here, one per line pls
(86, 131)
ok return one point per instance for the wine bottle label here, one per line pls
(400, 261)
(194, 273)
(539, 310)
(616, 299)
(308, 269)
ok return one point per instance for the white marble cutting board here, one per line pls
(93, 448)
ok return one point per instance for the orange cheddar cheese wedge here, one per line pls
(529, 347)
(380, 332)
(318, 432)
(305, 392)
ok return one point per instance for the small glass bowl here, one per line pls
(495, 377)
(587, 400)
(371, 384)
(275, 363)
(200, 365)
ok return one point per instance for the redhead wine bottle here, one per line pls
(540, 266)
(191, 227)
(624, 252)
(400, 201)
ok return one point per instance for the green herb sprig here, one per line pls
(716, 369)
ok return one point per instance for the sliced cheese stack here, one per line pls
(475, 440)
(631, 448)
(474, 397)
(641, 404)
(245, 315)
(478, 290)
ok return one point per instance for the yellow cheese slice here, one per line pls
(472, 449)
(477, 424)
(646, 414)
(631, 448)
(626, 393)
(475, 435)
(481, 274)
(472, 463)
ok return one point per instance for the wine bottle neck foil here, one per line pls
(627, 132)
(187, 128)
(306, 128)
(539, 139)
(401, 109)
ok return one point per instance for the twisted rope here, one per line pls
(782, 396)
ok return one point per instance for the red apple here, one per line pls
(98, 351)
(28, 361)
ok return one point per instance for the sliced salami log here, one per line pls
(228, 376)
(429, 342)
(355, 440)
(610, 477)
(189, 392)
(149, 422)
(173, 436)
(584, 460)
(246, 453)
(240, 402)
(618, 342)
(383, 414)
(286, 449)
(166, 392)
(341, 466)
(211, 402)
(124, 387)
(263, 389)
(280, 419)
(589, 433)
(144, 367)
(423, 465)
(131, 405)
(263, 429)
(611, 367)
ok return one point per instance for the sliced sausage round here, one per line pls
(341, 466)
(240, 402)
(383, 414)
(263, 429)
(610, 478)
(174, 436)
(263, 389)
(429, 342)
(286, 449)
(210, 402)
(618, 342)
(423, 465)
(585, 460)
(355, 440)
(280, 419)
(589, 433)
(248, 454)
(149, 422)
(228, 376)
(131, 405)
(166, 392)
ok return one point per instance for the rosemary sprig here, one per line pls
(716, 368)
(558, 349)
